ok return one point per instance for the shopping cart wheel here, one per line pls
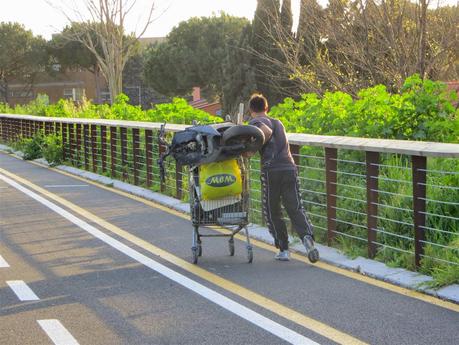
(249, 254)
(231, 246)
(194, 252)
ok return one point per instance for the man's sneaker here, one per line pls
(283, 255)
(313, 253)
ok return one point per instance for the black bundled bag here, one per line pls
(198, 145)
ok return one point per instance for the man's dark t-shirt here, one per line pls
(275, 153)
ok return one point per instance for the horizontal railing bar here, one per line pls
(307, 156)
(349, 223)
(441, 260)
(438, 215)
(346, 210)
(439, 245)
(350, 236)
(311, 191)
(317, 215)
(392, 234)
(392, 207)
(394, 248)
(393, 220)
(347, 173)
(390, 179)
(347, 161)
(438, 186)
(441, 202)
(390, 166)
(348, 185)
(348, 198)
(314, 203)
(390, 193)
(439, 230)
(310, 179)
(440, 171)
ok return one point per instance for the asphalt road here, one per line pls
(120, 274)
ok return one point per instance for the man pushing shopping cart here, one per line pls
(279, 179)
(219, 179)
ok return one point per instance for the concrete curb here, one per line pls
(397, 276)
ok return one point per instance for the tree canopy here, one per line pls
(195, 54)
(22, 55)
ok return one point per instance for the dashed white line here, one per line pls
(3, 263)
(22, 290)
(57, 332)
(65, 185)
(232, 306)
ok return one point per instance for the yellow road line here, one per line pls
(328, 267)
(249, 295)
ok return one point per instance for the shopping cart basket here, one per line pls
(226, 212)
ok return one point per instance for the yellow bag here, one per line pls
(220, 179)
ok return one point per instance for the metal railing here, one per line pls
(377, 196)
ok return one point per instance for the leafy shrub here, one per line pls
(423, 110)
(31, 147)
(179, 111)
(52, 149)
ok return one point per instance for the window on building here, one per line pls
(75, 94)
(21, 94)
(105, 96)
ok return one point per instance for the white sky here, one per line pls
(44, 20)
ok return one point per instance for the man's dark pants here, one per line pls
(283, 186)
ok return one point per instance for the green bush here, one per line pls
(423, 110)
(178, 111)
(31, 147)
(52, 149)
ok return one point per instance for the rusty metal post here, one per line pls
(86, 146)
(113, 139)
(178, 181)
(103, 147)
(372, 163)
(331, 165)
(22, 128)
(161, 150)
(48, 130)
(57, 128)
(124, 164)
(2, 126)
(148, 155)
(94, 147)
(135, 154)
(72, 154)
(64, 141)
(78, 142)
(419, 166)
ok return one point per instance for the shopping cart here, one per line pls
(226, 212)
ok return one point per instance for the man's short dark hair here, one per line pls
(258, 103)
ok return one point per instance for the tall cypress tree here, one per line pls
(266, 14)
(286, 15)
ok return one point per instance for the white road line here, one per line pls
(64, 185)
(22, 290)
(57, 332)
(3, 263)
(259, 320)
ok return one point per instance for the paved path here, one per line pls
(83, 264)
